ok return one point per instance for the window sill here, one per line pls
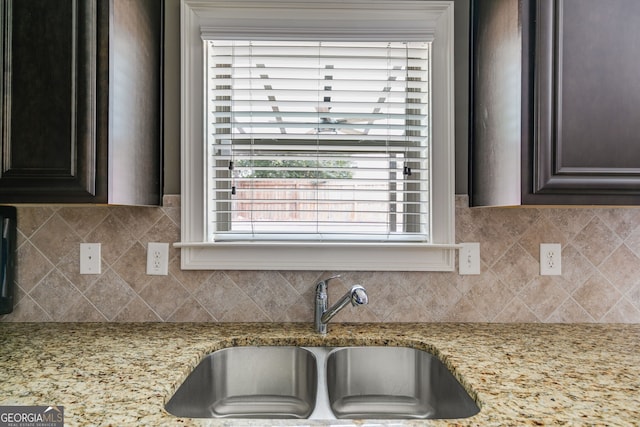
(317, 256)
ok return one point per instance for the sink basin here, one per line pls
(249, 382)
(321, 383)
(393, 382)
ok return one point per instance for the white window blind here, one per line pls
(318, 140)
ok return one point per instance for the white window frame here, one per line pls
(397, 20)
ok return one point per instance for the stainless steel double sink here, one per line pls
(321, 383)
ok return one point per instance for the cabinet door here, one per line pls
(48, 58)
(585, 127)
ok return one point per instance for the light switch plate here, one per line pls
(90, 258)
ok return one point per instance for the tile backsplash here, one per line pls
(600, 279)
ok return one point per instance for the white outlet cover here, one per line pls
(157, 259)
(90, 258)
(550, 259)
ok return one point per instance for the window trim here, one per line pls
(434, 18)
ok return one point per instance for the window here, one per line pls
(324, 144)
(319, 141)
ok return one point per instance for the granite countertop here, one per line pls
(520, 374)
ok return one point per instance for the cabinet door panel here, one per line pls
(587, 125)
(48, 121)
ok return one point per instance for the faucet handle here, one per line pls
(337, 276)
(325, 282)
(323, 285)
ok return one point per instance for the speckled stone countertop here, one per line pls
(520, 374)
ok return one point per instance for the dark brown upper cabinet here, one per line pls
(555, 101)
(81, 101)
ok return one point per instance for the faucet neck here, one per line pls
(321, 304)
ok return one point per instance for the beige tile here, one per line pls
(569, 287)
(18, 294)
(31, 266)
(409, 279)
(596, 241)
(132, 267)
(436, 293)
(83, 311)
(464, 283)
(383, 294)
(461, 201)
(570, 312)
(543, 296)
(408, 310)
(137, 311)
(516, 268)
(166, 231)
(633, 241)
(570, 221)
(190, 279)
(462, 311)
(634, 296)
(301, 312)
(273, 294)
(576, 269)
(164, 295)
(543, 231)
(190, 311)
(493, 242)
(622, 312)
(623, 221)
(110, 294)
(55, 294)
(174, 214)
(70, 267)
(27, 311)
(55, 239)
(514, 222)
(83, 220)
(244, 278)
(137, 219)
(30, 219)
(20, 238)
(597, 296)
(244, 310)
(622, 269)
(516, 312)
(114, 237)
(490, 296)
(219, 296)
(466, 222)
(171, 201)
(508, 237)
(302, 281)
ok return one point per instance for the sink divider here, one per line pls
(322, 409)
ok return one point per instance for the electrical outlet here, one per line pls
(550, 259)
(469, 258)
(158, 259)
(90, 260)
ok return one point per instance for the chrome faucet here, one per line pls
(357, 295)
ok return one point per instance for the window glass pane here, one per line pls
(318, 140)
